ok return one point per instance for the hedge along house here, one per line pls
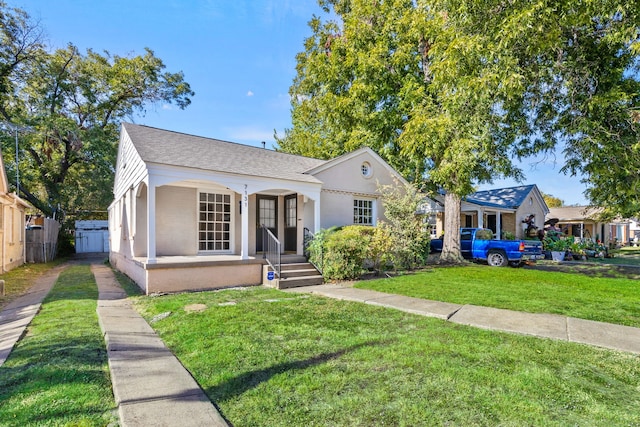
(188, 211)
(501, 210)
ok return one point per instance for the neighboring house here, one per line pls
(188, 211)
(584, 222)
(12, 224)
(634, 231)
(501, 210)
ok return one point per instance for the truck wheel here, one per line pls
(497, 259)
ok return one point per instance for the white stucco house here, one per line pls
(188, 211)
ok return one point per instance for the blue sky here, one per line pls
(237, 55)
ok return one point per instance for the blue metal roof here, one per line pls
(510, 198)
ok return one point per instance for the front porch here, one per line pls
(182, 235)
(169, 274)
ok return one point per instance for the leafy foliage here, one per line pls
(409, 240)
(72, 104)
(450, 92)
(552, 202)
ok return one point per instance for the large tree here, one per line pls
(21, 43)
(451, 91)
(71, 104)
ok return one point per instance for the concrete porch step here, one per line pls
(296, 282)
(299, 273)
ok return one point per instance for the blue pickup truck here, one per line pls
(478, 244)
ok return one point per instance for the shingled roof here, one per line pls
(510, 198)
(178, 149)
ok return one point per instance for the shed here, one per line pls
(92, 236)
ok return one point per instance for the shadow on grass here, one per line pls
(240, 384)
(591, 269)
(50, 376)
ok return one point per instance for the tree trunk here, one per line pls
(451, 243)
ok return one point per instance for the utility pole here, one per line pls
(15, 128)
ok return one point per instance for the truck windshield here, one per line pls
(484, 234)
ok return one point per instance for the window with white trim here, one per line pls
(363, 211)
(214, 223)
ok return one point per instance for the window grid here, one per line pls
(268, 213)
(363, 212)
(292, 212)
(214, 225)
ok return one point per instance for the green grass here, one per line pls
(57, 375)
(613, 300)
(270, 358)
(18, 280)
(627, 255)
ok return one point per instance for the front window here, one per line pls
(214, 225)
(363, 212)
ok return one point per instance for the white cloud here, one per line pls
(250, 93)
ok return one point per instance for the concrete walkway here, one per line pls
(150, 385)
(16, 316)
(616, 337)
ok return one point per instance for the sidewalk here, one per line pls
(616, 337)
(150, 385)
(16, 316)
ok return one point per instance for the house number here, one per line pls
(246, 196)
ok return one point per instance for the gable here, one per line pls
(357, 172)
(130, 168)
(4, 182)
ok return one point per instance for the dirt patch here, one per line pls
(590, 269)
(195, 308)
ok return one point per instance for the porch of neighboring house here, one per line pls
(197, 235)
(496, 220)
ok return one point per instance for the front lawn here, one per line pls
(266, 357)
(18, 280)
(613, 300)
(57, 375)
(627, 255)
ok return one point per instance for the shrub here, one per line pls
(409, 238)
(345, 252)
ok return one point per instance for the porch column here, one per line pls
(316, 214)
(480, 218)
(498, 225)
(244, 219)
(151, 222)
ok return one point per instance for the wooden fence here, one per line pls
(42, 243)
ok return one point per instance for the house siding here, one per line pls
(532, 205)
(344, 182)
(130, 167)
(176, 221)
(509, 224)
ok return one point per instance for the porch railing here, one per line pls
(271, 250)
(308, 237)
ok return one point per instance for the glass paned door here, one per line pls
(267, 215)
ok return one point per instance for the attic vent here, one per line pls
(365, 169)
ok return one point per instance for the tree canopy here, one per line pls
(451, 92)
(552, 201)
(72, 104)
